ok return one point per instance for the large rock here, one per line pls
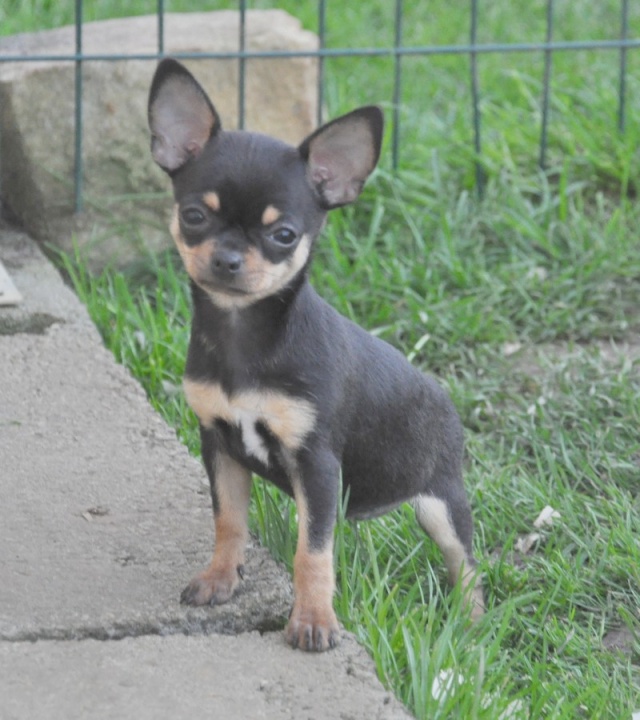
(125, 194)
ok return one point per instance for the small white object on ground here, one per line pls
(546, 517)
(9, 294)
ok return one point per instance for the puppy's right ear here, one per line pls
(342, 154)
(181, 116)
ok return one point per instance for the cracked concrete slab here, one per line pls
(248, 677)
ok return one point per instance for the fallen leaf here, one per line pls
(511, 348)
(525, 542)
(94, 512)
(546, 517)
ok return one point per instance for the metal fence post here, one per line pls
(78, 129)
(548, 60)
(242, 64)
(397, 85)
(160, 28)
(475, 99)
(622, 90)
(322, 29)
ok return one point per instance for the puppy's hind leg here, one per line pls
(448, 522)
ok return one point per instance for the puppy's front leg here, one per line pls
(313, 624)
(230, 493)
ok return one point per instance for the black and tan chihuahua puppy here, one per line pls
(284, 386)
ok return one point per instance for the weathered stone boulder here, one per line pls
(125, 194)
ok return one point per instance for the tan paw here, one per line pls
(212, 587)
(312, 629)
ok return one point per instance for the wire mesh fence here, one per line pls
(398, 52)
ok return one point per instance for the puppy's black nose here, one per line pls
(227, 262)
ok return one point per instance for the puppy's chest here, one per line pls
(259, 417)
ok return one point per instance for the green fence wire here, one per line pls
(398, 52)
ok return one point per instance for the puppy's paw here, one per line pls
(214, 586)
(312, 628)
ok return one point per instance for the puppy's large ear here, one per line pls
(181, 116)
(341, 155)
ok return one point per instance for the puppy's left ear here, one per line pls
(342, 154)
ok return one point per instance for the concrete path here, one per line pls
(104, 517)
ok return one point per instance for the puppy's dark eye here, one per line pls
(192, 216)
(284, 236)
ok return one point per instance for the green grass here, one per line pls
(546, 261)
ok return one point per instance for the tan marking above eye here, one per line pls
(212, 200)
(289, 418)
(270, 215)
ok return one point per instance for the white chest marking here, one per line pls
(290, 419)
(253, 443)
